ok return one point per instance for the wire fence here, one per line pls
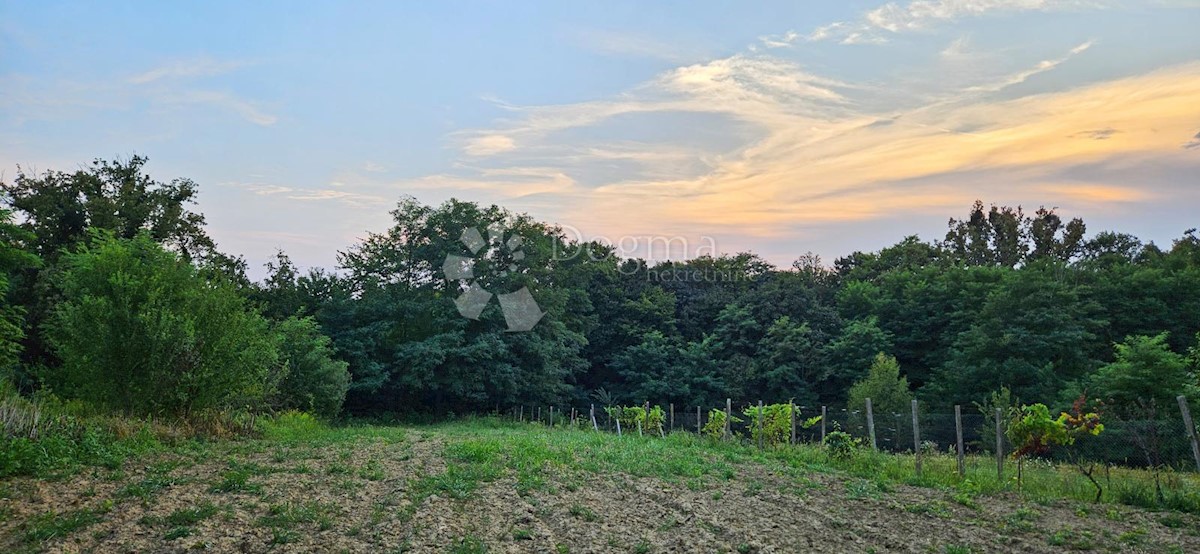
(1164, 443)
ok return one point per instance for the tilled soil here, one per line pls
(362, 497)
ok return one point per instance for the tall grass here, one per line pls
(45, 437)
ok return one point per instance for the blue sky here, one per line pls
(780, 127)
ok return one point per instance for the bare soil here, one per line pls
(359, 498)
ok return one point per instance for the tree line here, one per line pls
(116, 296)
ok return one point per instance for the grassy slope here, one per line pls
(336, 489)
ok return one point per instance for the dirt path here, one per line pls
(373, 495)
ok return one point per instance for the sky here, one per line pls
(776, 127)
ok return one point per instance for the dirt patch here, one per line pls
(373, 495)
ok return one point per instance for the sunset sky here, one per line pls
(779, 127)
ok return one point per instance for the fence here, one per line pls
(1169, 443)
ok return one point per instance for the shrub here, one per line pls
(715, 427)
(776, 425)
(311, 379)
(840, 444)
(637, 417)
(140, 331)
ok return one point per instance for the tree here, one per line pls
(117, 196)
(1144, 379)
(59, 210)
(1033, 432)
(851, 353)
(1139, 389)
(12, 316)
(1026, 337)
(410, 350)
(312, 380)
(140, 331)
(885, 387)
(791, 365)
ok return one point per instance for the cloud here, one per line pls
(1194, 143)
(195, 67)
(1097, 134)
(1041, 67)
(346, 197)
(489, 145)
(245, 109)
(818, 152)
(875, 25)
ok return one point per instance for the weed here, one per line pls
(582, 512)
(469, 545)
(51, 525)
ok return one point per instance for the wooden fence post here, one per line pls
(699, 420)
(823, 413)
(593, 412)
(1190, 425)
(962, 467)
(999, 448)
(728, 416)
(916, 437)
(552, 416)
(792, 410)
(539, 414)
(618, 425)
(672, 405)
(522, 419)
(871, 425)
(761, 429)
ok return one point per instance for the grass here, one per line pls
(685, 458)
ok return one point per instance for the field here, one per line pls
(488, 486)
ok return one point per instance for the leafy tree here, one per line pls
(1033, 432)
(312, 380)
(12, 317)
(409, 349)
(851, 354)
(59, 210)
(117, 196)
(791, 365)
(139, 331)
(1144, 379)
(885, 387)
(1026, 337)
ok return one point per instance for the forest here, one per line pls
(118, 299)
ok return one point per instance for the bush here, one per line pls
(141, 332)
(841, 445)
(776, 426)
(635, 417)
(715, 427)
(312, 380)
